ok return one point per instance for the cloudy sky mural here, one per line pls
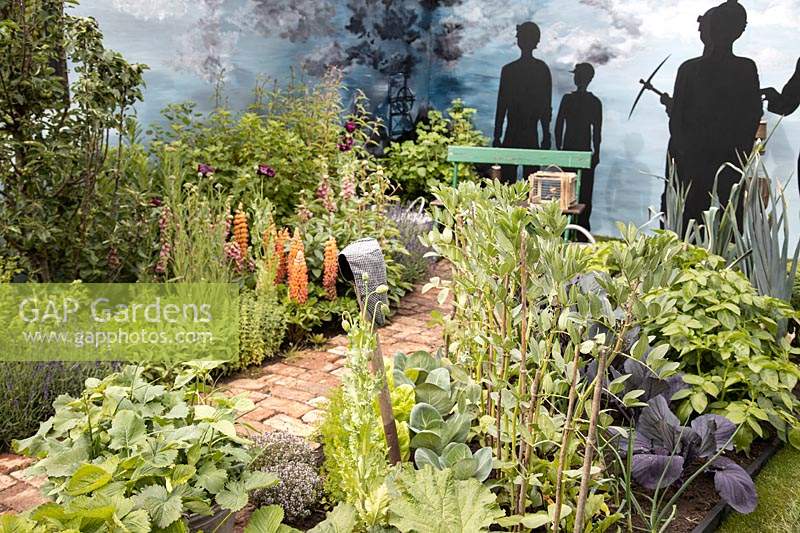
(455, 49)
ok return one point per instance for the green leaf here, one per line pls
(794, 437)
(566, 510)
(259, 480)
(465, 468)
(426, 456)
(691, 379)
(631, 399)
(710, 388)
(535, 520)
(265, 520)
(425, 417)
(178, 411)
(225, 427)
(427, 439)
(164, 507)
(342, 519)
(204, 412)
(441, 378)
(127, 430)
(433, 501)
(182, 474)
(137, 521)
(234, 497)
(484, 469)
(456, 428)
(87, 478)
(435, 396)
(455, 452)
(699, 401)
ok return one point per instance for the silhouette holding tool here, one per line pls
(579, 127)
(786, 102)
(714, 111)
(524, 101)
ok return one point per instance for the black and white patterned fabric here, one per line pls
(364, 256)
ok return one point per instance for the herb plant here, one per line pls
(294, 463)
(529, 335)
(28, 391)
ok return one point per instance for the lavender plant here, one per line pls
(412, 223)
(28, 390)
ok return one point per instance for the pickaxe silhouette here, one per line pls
(648, 86)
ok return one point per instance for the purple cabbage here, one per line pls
(662, 448)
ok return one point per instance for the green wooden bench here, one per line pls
(523, 157)
(517, 156)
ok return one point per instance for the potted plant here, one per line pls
(134, 445)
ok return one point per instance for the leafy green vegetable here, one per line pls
(434, 501)
(129, 446)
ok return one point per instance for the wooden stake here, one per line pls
(385, 403)
(590, 442)
(565, 437)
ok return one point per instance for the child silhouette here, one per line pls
(524, 100)
(579, 127)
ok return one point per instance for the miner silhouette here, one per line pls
(579, 127)
(786, 102)
(715, 112)
(524, 101)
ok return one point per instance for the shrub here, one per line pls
(262, 328)
(723, 334)
(56, 162)
(294, 463)
(419, 165)
(279, 148)
(28, 390)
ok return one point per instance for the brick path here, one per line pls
(288, 394)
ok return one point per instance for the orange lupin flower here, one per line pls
(298, 276)
(330, 268)
(280, 253)
(294, 247)
(240, 232)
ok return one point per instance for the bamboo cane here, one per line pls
(566, 437)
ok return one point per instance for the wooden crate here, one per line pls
(554, 187)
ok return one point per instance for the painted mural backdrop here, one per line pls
(456, 49)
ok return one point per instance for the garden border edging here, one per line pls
(720, 511)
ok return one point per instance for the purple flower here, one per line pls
(347, 144)
(350, 126)
(266, 170)
(204, 170)
(156, 201)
